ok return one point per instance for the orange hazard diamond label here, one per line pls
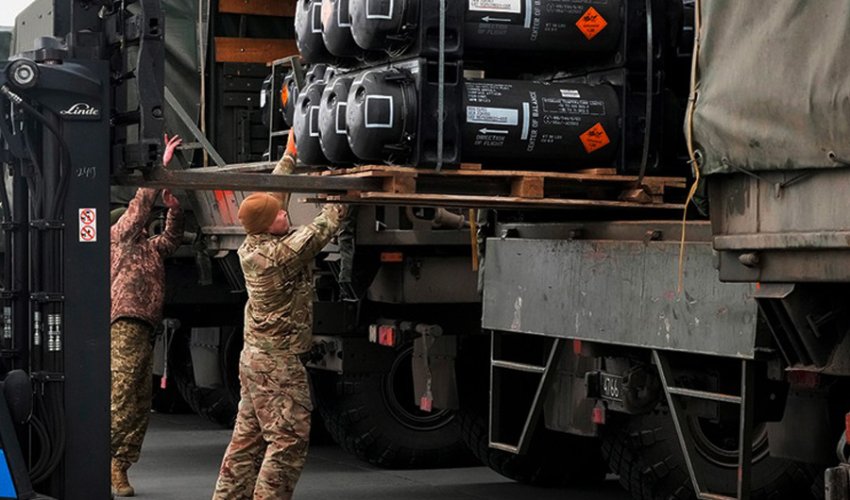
(595, 138)
(591, 23)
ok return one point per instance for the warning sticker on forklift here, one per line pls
(88, 225)
(492, 116)
(502, 6)
(591, 23)
(595, 138)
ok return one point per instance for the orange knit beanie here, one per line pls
(258, 211)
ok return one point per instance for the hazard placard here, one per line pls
(595, 138)
(88, 225)
(591, 23)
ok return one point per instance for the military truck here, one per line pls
(607, 331)
(709, 357)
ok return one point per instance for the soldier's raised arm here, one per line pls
(286, 166)
(298, 249)
(134, 219)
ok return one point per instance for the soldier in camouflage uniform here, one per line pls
(269, 444)
(138, 282)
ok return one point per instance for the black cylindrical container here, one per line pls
(382, 115)
(308, 31)
(268, 105)
(574, 26)
(332, 121)
(382, 24)
(288, 99)
(289, 91)
(574, 125)
(319, 72)
(336, 29)
(306, 126)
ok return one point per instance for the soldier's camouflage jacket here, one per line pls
(138, 271)
(278, 277)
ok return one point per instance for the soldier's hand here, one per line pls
(171, 145)
(290, 143)
(169, 200)
(341, 210)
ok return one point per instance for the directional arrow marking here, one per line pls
(491, 131)
(488, 19)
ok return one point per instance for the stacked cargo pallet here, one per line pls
(585, 112)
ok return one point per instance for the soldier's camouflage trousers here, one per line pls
(131, 387)
(269, 444)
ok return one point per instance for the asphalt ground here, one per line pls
(182, 453)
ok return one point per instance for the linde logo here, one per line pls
(81, 110)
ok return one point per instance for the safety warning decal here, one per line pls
(591, 23)
(88, 225)
(595, 138)
(501, 6)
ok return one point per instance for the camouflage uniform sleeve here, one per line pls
(295, 251)
(285, 166)
(167, 242)
(134, 219)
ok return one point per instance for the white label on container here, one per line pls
(379, 9)
(570, 94)
(502, 6)
(316, 20)
(526, 111)
(341, 109)
(314, 121)
(343, 18)
(378, 106)
(492, 116)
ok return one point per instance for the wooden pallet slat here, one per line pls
(252, 50)
(678, 182)
(599, 188)
(474, 201)
(275, 8)
(527, 187)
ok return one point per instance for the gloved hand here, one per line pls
(290, 143)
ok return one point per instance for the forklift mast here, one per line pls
(84, 102)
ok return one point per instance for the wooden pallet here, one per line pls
(476, 188)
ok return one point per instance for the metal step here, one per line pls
(746, 403)
(711, 396)
(505, 447)
(531, 419)
(520, 367)
(712, 496)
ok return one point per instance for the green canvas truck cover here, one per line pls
(773, 85)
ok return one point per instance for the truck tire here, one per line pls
(372, 416)
(168, 400)
(645, 453)
(554, 459)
